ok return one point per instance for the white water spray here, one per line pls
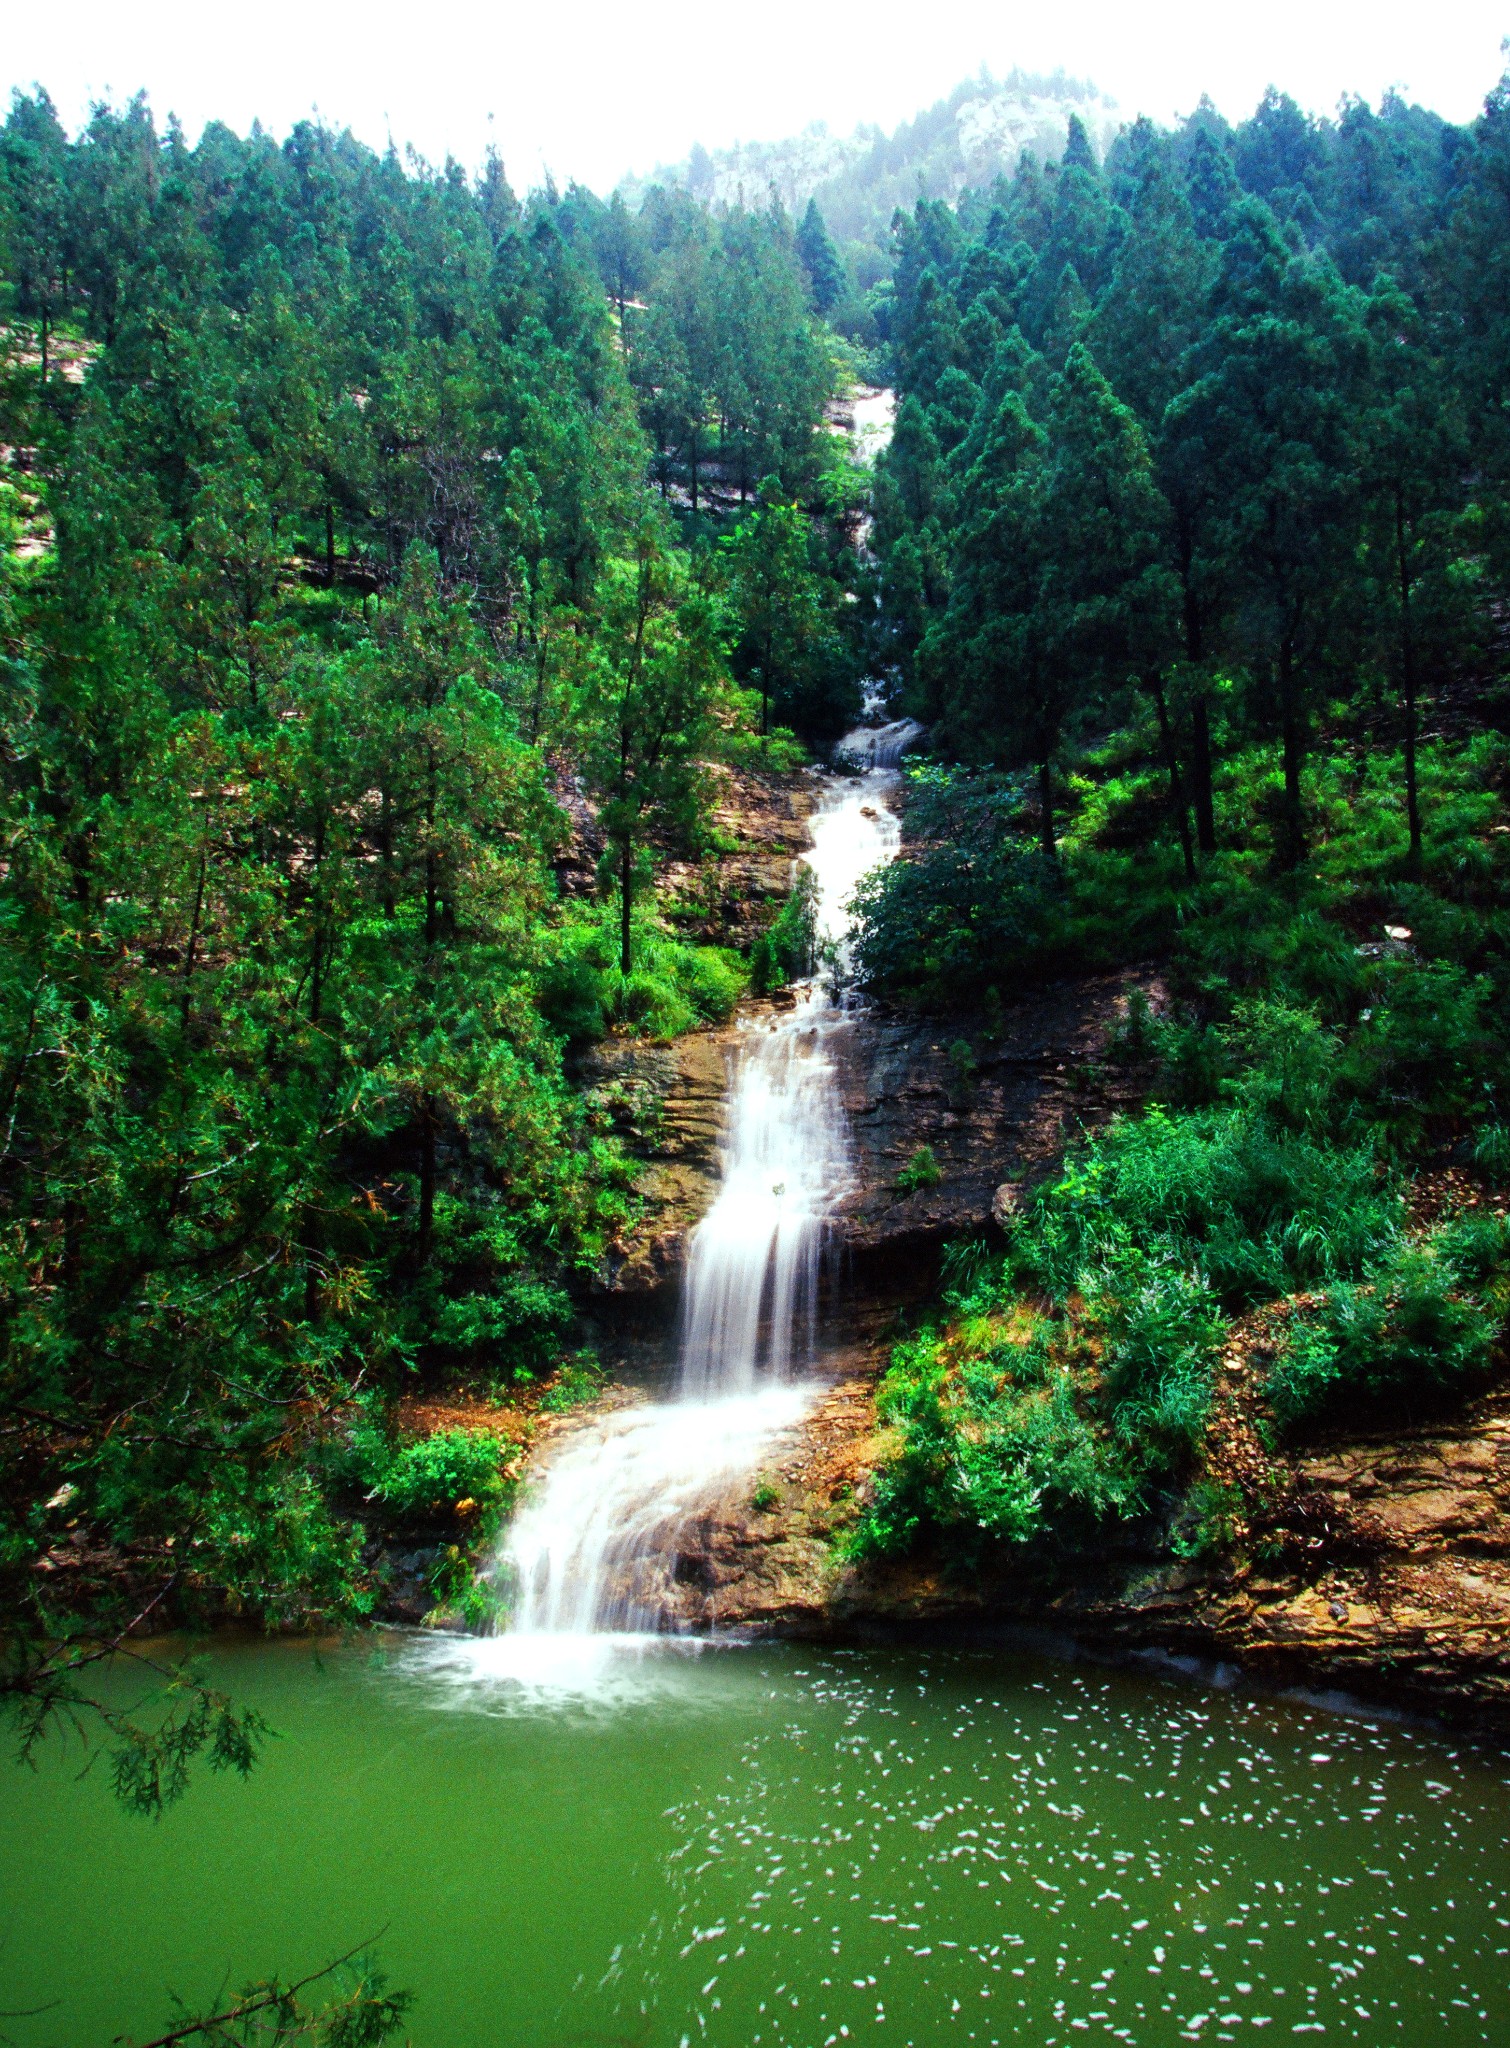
(595, 1551)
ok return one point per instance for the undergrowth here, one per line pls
(672, 987)
(1331, 1034)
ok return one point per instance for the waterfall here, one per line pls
(879, 746)
(594, 1550)
(751, 1300)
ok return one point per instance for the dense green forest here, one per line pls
(356, 532)
(1194, 558)
(363, 524)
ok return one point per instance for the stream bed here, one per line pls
(672, 1844)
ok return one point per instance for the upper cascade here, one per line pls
(878, 746)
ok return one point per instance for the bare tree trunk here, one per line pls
(1200, 717)
(537, 709)
(311, 1267)
(1046, 810)
(427, 1112)
(1154, 683)
(1200, 773)
(1408, 686)
(317, 940)
(626, 905)
(385, 853)
(432, 871)
(330, 545)
(1292, 850)
(191, 950)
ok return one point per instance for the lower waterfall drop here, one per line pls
(593, 1552)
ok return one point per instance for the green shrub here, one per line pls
(911, 1484)
(672, 987)
(969, 901)
(427, 1478)
(1401, 1341)
(1429, 1037)
(1160, 1329)
(788, 952)
(777, 752)
(1244, 933)
(998, 1450)
(921, 1171)
(1136, 1032)
(512, 1329)
(1260, 1211)
(1034, 1460)
(1193, 1061)
(1209, 1519)
(1491, 1151)
(1476, 1245)
(971, 1272)
(580, 1379)
(1282, 1061)
(1306, 1058)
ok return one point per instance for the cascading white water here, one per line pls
(594, 1551)
(879, 746)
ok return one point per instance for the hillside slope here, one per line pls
(978, 131)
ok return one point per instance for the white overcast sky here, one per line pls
(593, 90)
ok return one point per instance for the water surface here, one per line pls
(656, 1844)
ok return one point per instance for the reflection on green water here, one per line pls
(780, 1846)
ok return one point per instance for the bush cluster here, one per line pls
(788, 952)
(1310, 1065)
(672, 986)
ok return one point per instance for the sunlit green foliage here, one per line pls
(1309, 1063)
(332, 570)
(1415, 1332)
(671, 987)
(789, 950)
(922, 1170)
(428, 1477)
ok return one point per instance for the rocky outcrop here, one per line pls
(1383, 1572)
(667, 1102)
(989, 1101)
(729, 896)
(759, 828)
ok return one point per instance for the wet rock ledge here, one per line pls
(993, 1100)
(1384, 1574)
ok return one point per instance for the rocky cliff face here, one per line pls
(990, 1102)
(668, 1102)
(1382, 1566)
(1385, 1571)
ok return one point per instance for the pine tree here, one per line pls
(1261, 454)
(820, 259)
(644, 688)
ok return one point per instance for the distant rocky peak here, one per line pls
(979, 130)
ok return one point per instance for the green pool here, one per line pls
(781, 1846)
